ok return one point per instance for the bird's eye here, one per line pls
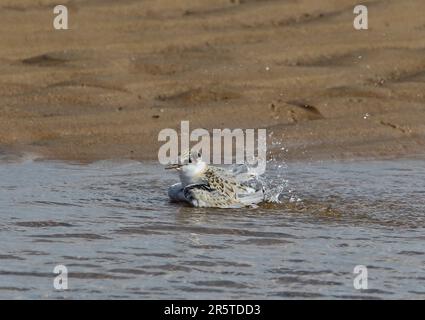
(199, 154)
(190, 160)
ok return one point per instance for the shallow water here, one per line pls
(110, 223)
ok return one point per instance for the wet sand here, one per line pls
(127, 69)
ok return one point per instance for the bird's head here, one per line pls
(189, 160)
(190, 167)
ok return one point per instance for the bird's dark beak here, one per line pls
(173, 166)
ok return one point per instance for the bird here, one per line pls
(202, 185)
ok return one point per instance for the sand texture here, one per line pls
(127, 69)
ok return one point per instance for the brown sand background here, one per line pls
(127, 69)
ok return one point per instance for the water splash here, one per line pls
(276, 186)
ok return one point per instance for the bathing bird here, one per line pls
(203, 185)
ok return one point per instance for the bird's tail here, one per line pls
(252, 198)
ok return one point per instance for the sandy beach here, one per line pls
(127, 69)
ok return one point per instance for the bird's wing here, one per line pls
(224, 183)
(203, 195)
